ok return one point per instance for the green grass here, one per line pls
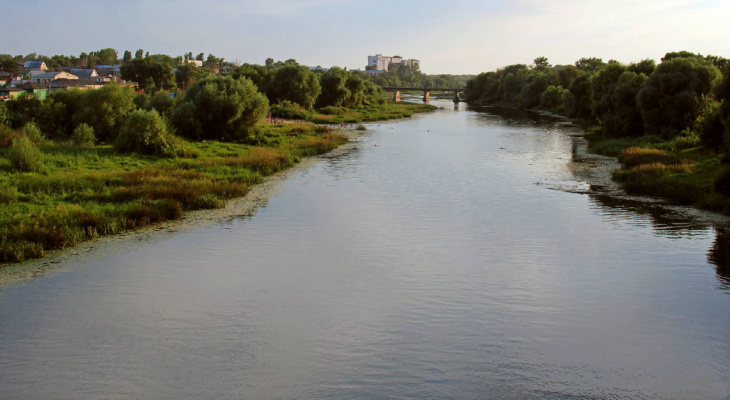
(677, 170)
(86, 192)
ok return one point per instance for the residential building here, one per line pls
(51, 76)
(30, 66)
(109, 73)
(379, 62)
(85, 73)
(198, 63)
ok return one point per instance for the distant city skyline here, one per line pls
(462, 37)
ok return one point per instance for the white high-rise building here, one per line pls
(381, 63)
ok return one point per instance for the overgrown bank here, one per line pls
(91, 191)
(668, 124)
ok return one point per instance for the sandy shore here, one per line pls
(243, 206)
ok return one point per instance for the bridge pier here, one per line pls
(426, 96)
(396, 97)
(457, 99)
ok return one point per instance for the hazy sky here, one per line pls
(448, 36)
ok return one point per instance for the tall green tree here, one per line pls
(105, 110)
(149, 74)
(294, 83)
(670, 99)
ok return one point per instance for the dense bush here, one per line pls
(105, 110)
(295, 83)
(33, 132)
(670, 99)
(289, 110)
(220, 108)
(83, 135)
(25, 156)
(144, 132)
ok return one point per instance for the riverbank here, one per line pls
(256, 196)
(595, 174)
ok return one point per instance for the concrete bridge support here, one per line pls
(396, 96)
(426, 96)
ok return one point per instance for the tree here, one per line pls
(625, 118)
(294, 83)
(105, 110)
(670, 99)
(143, 132)
(269, 63)
(9, 65)
(531, 93)
(603, 85)
(259, 75)
(127, 56)
(200, 57)
(541, 64)
(162, 103)
(220, 108)
(188, 74)
(334, 90)
(645, 67)
(138, 54)
(106, 56)
(578, 104)
(590, 65)
(22, 110)
(148, 73)
(553, 99)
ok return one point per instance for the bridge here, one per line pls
(426, 92)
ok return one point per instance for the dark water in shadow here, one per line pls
(431, 261)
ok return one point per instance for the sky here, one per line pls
(447, 36)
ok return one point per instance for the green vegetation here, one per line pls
(86, 163)
(86, 192)
(669, 125)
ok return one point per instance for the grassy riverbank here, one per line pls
(81, 193)
(678, 169)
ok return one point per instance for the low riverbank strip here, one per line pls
(88, 192)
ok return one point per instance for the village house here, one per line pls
(31, 66)
(51, 76)
(85, 73)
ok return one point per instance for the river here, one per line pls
(434, 259)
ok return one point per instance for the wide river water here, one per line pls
(434, 259)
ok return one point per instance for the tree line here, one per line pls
(686, 96)
(214, 107)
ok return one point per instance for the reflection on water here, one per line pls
(664, 221)
(424, 263)
(719, 255)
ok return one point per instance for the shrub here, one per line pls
(287, 109)
(83, 135)
(25, 156)
(635, 156)
(33, 132)
(7, 136)
(143, 132)
(331, 110)
(220, 108)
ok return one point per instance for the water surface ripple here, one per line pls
(430, 261)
